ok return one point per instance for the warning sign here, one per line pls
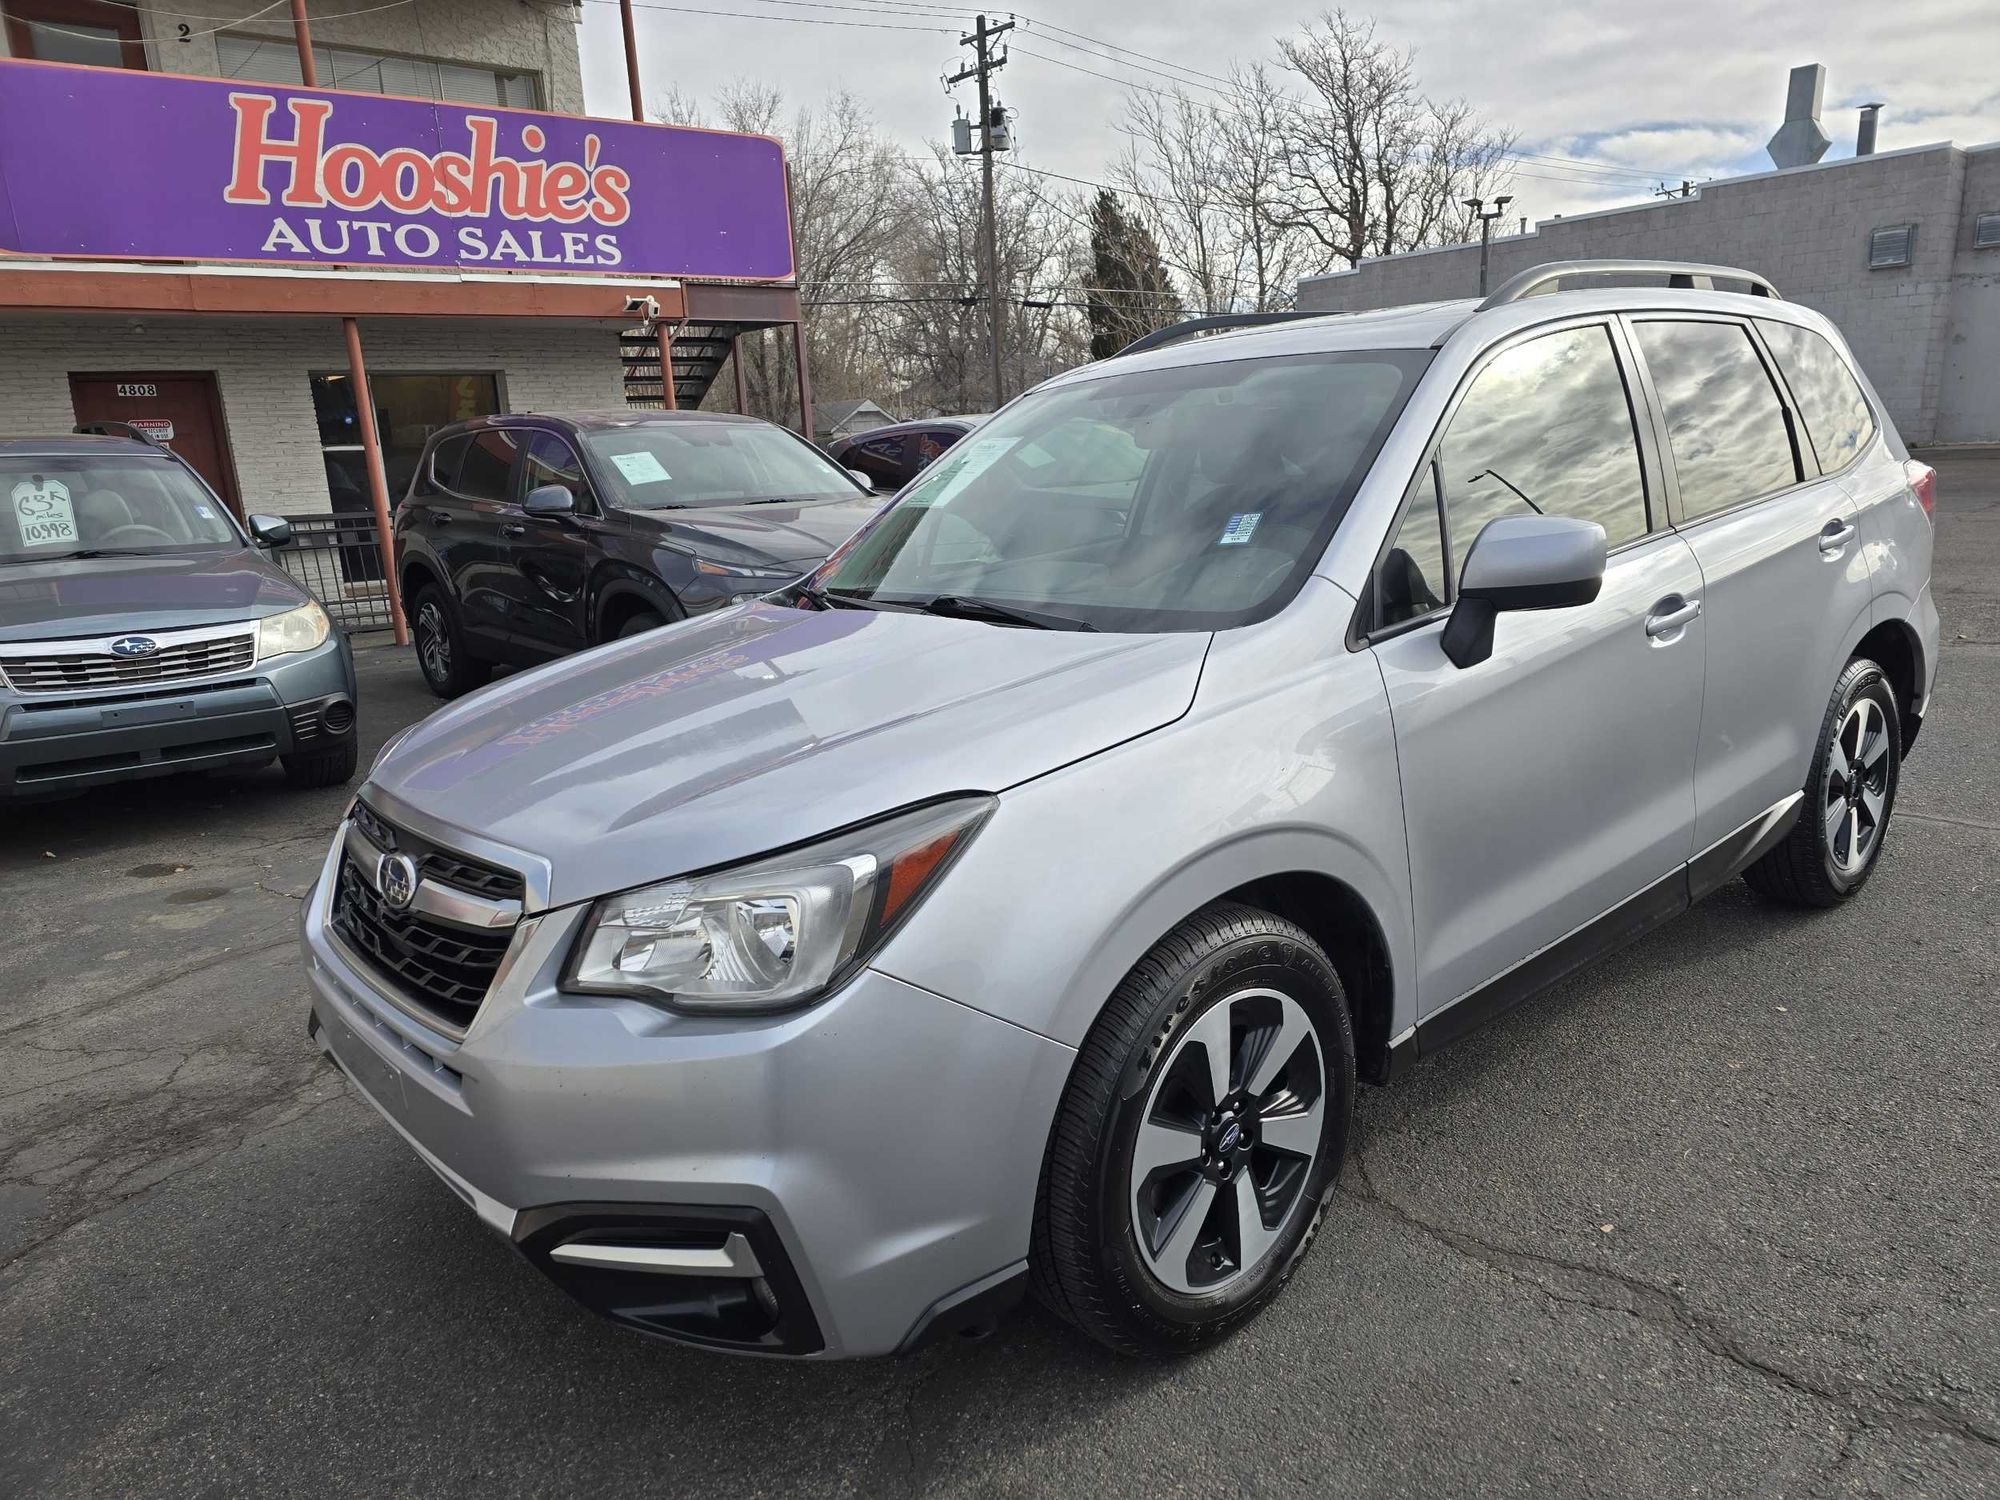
(43, 513)
(159, 429)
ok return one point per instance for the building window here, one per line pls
(1986, 232)
(275, 60)
(408, 409)
(1891, 246)
(93, 32)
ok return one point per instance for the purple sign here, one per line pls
(111, 164)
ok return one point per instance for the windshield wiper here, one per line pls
(827, 598)
(969, 607)
(58, 556)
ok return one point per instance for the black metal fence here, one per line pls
(339, 557)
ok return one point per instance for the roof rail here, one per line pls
(1174, 333)
(116, 429)
(1679, 273)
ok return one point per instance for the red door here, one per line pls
(182, 411)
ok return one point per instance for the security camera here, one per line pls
(643, 307)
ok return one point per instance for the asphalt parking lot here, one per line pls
(1718, 1217)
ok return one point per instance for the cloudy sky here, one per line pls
(1608, 99)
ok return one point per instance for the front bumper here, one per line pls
(878, 1152)
(51, 745)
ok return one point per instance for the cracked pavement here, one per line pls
(1716, 1217)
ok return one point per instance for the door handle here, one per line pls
(513, 528)
(440, 517)
(1835, 536)
(1670, 614)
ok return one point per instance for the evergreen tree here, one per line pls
(1131, 293)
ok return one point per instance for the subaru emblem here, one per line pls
(134, 645)
(396, 878)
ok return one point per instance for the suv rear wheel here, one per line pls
(1202, 1129)
(1849, 794)
(448, 664)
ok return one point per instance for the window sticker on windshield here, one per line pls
(204, 512)
(1240, 529)
(960, 466)
(43, 512)
(640, 468)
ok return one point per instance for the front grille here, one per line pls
(55, 671)
(445, 866)
(443, 968)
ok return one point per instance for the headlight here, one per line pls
(298, 629)
(761, 572)
(775, 933)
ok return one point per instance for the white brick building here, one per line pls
(1927, 331)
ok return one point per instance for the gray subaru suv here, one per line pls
(1016, 903)
(145, 632)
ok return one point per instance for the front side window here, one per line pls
(691, 462)
(1195, 497)
(1725, 424)
(67, 504)
(1545, 429)
(551, 460)
(1836, 413)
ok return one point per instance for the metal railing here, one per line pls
(339, 557)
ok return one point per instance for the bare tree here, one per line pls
(846, 211)
(935, 335)
(1369, 165)
(1209, 180)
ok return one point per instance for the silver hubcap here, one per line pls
(433, 643)
(1227, 1141)
(1857, 787)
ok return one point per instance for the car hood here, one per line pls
(91, 596)
(788, 531)
(730, 735)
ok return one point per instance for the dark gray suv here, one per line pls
(144, 632)
(525, 537)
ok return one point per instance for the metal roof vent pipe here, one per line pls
(1864, 137)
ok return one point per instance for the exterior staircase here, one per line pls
(700, 352)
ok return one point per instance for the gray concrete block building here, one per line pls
(1900, 248)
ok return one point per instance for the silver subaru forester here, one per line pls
(1015, 903)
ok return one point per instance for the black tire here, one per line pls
(1087, 1263)
(639, 624)
(322, 767)
(1815, 866)
(443, 656)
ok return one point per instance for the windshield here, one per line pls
(62, 504)
(663, 465)
(1191, 498)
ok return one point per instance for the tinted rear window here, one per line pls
(1836, 412)
(1724, 421)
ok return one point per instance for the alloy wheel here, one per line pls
(434, 641)
(1857, 786)
(1227, 1140)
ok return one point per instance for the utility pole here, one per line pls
(1478, 207)
(983, 68)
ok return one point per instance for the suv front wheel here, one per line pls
(1849, 794)
(1203, 1127)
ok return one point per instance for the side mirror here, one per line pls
(549, 500)
(1522, 562)
(272, 531)
(866, 481)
